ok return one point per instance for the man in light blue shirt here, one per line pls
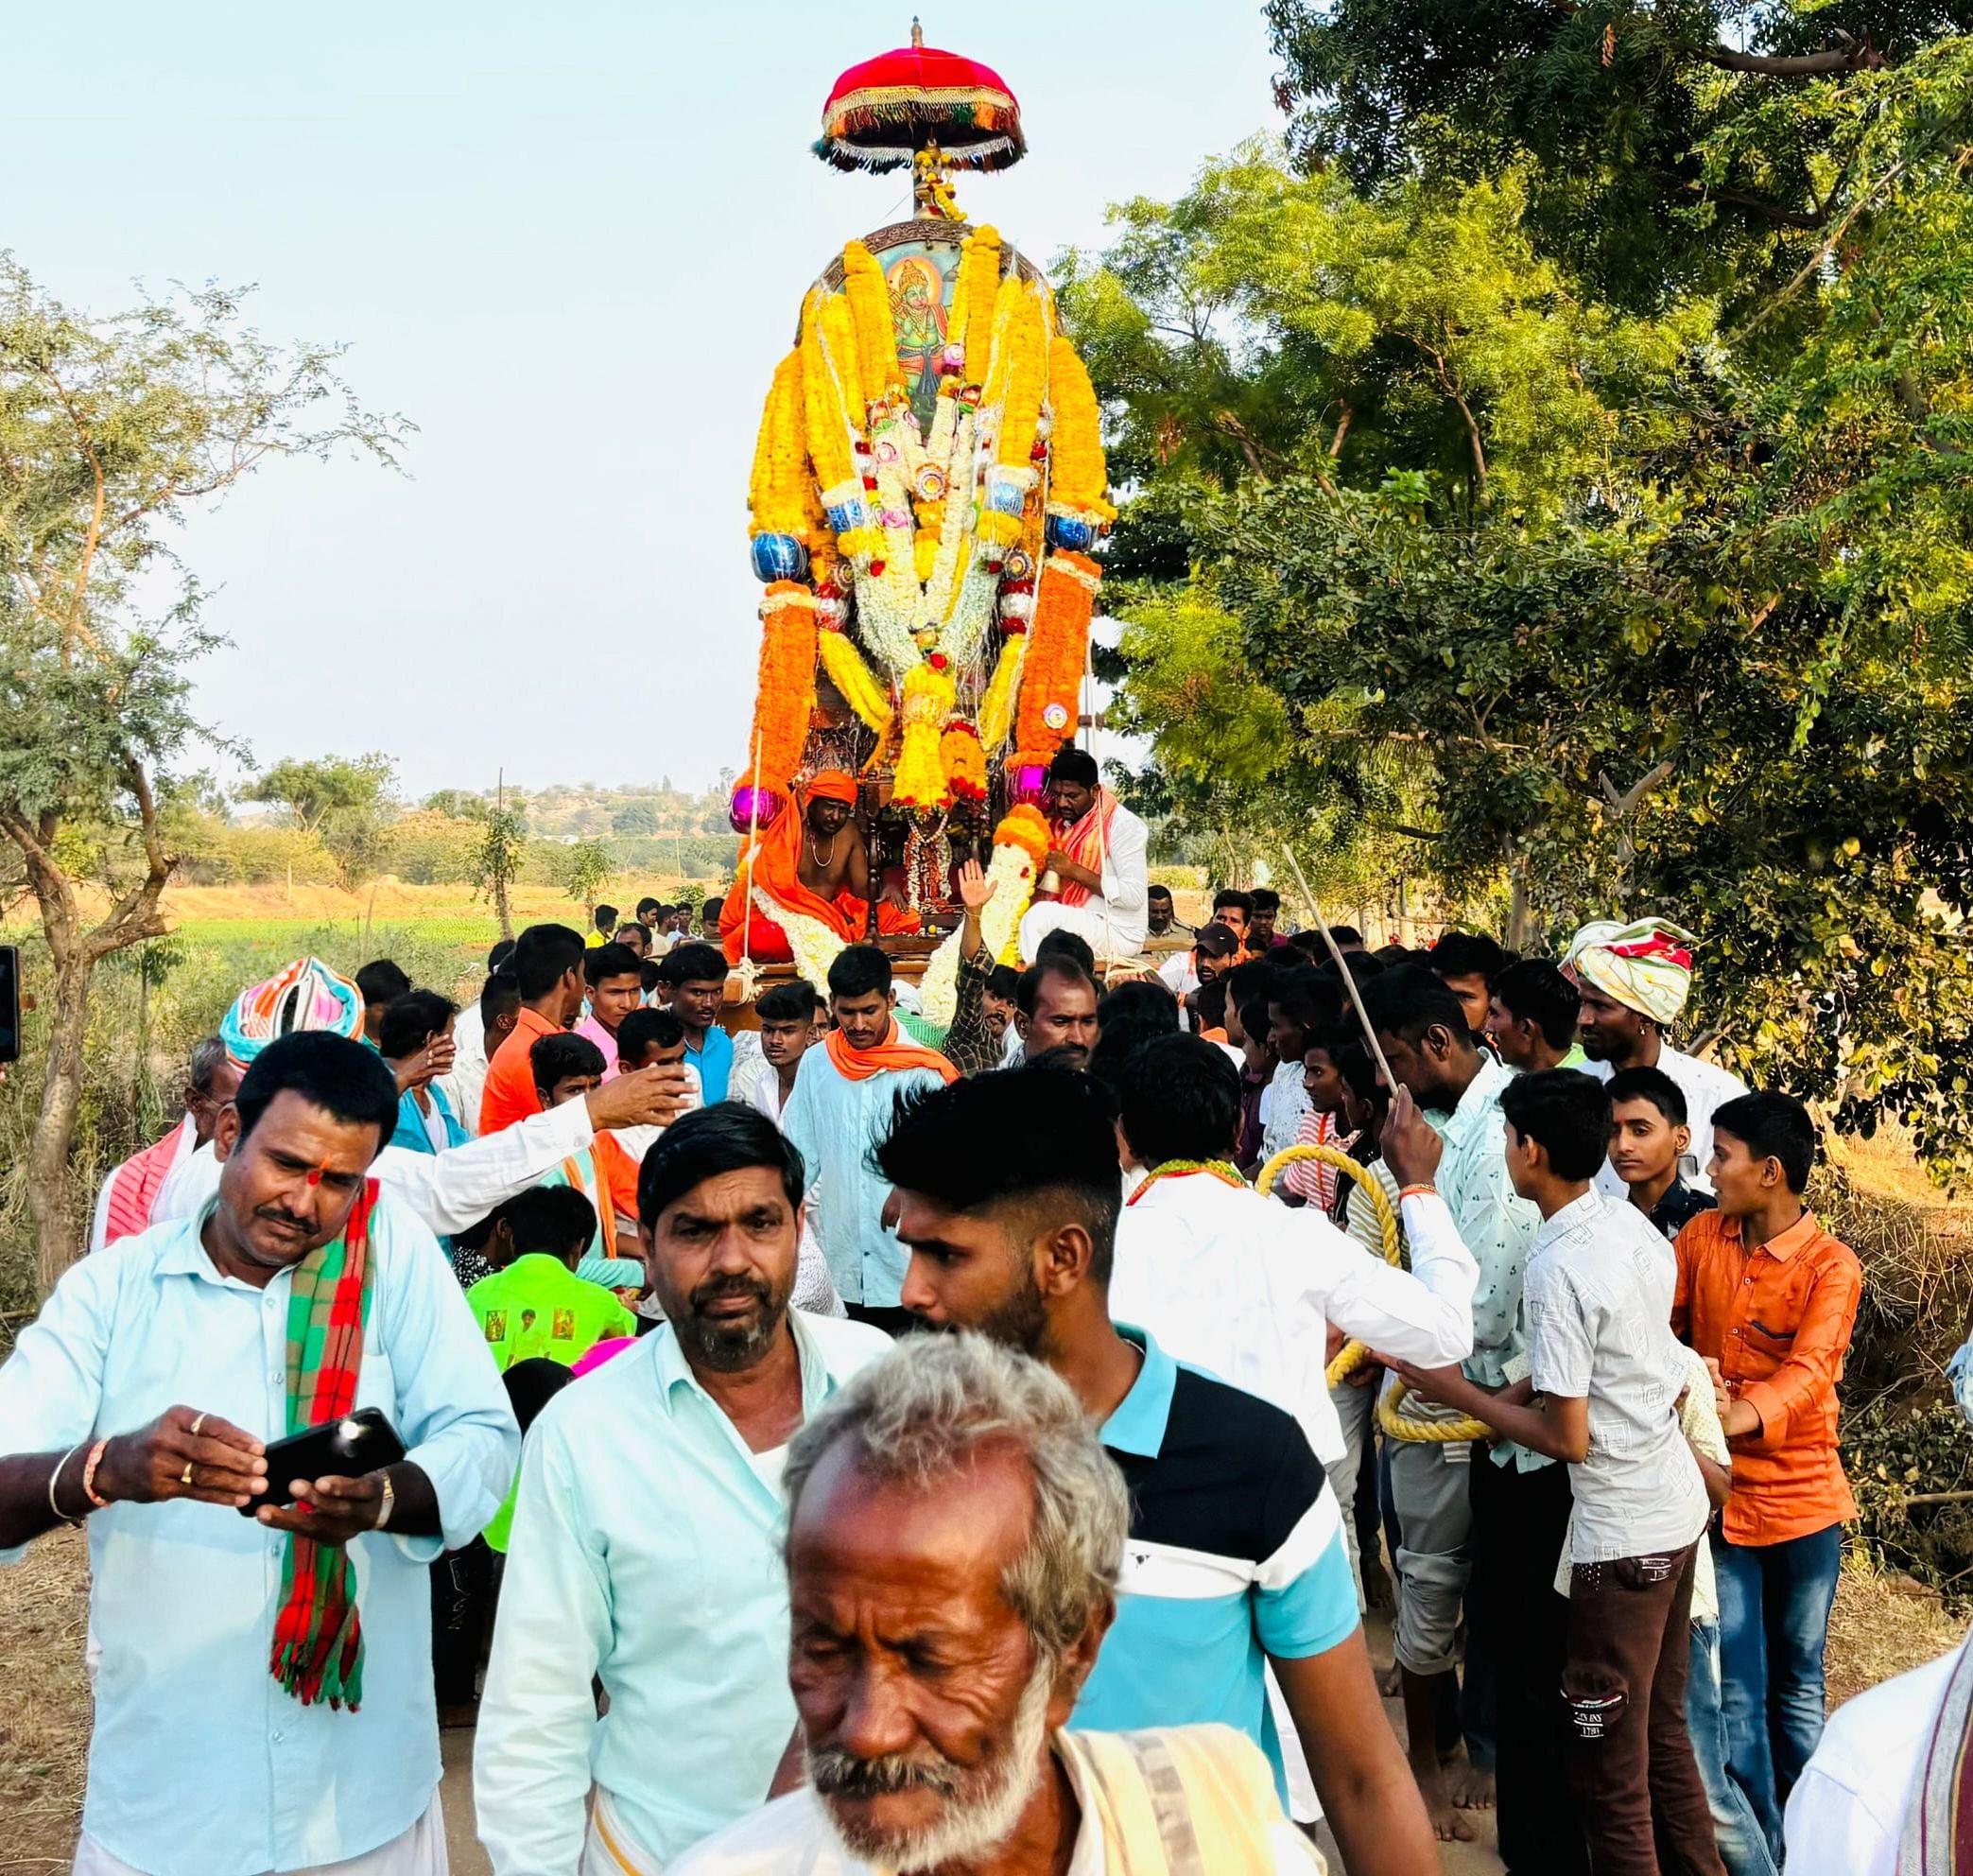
(645, 1546)
(144, 1400)
(696, 974)
(845, 1096)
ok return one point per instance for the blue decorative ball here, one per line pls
(1066, 531)
(779, 557)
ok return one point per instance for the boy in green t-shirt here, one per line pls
(534, 1304)
(535, 1307)
(532, 1310)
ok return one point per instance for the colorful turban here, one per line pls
(832, 784)
(1646, 967)
(306, 995)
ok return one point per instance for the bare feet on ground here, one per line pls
(1471, 1788)
(1449, 1825)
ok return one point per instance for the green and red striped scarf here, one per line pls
(317, 1637)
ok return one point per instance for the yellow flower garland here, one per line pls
(972, 323)
(779, 491)
(1078, 476)
(920, 779)
(877, 336)
(854, 679)
(1027, 378)
(824, 426)
(996, 706)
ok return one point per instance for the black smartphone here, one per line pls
(9, 1002)
(345, 1448)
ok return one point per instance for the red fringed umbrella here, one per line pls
(884, 110)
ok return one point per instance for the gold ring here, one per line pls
(197, 1423)
(184, 1478)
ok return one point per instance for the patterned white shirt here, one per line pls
(1599, 1305)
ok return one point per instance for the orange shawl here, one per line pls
(892, 1053)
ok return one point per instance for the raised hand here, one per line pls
(653, 1097)
(975, 889)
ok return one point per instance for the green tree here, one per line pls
(1703, 647)
(635, 819)
(589, 868)
(346, 803)
(112, 430)
(501, 853)
(1708, 143)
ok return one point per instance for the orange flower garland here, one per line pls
(1058, 642)
(785, 700)
(965, 760)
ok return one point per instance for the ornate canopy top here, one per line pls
(880, 114)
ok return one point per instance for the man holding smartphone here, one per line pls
(293, 1647)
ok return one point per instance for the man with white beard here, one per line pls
(955, 1536)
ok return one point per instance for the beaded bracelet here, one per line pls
(95, 1459)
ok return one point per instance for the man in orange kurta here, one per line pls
(812, 861)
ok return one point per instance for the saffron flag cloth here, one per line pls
(1646, 967)
(135, 1185)
(892, 1054)
(305, 994)
(773, 865)
(318, 1635)
(1086, 843)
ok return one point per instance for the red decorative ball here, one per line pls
(1039, 452)
(828, 589)
(938, 661)
(870, 481)
(877, 569)
(994, 567)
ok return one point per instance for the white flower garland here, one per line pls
(1012, 873)
(815, 948)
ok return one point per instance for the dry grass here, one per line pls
(44, 1717)
(1883, 1626)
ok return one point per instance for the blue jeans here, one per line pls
(1744, 1848)
(1774, 1603)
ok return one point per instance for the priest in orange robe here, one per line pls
(812, 861)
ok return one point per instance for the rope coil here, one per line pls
(1398, 1425)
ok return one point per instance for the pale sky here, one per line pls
(570, 244)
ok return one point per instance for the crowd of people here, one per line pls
(736, 1568)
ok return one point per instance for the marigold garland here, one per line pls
(971, 327)
(1058, 643)
(920, 777)
(996, 706)
(877, 336)
(964, 761)
(825, 428)
(1027, 379)
(854, 679)
(777, 492)
(784, 700)
(1078, 475)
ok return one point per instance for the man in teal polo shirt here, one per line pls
(1008, 1187)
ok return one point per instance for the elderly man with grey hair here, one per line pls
(128, 1199)
(955, 1536)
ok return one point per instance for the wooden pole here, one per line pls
(752, 839)
(1349, 980)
